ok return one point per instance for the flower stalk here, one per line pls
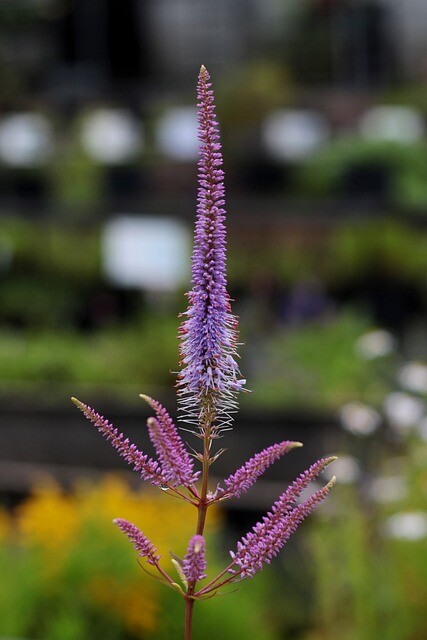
(208, 384)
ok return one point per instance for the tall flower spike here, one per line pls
(210, 377)
(248, 474)
(176, 463)
(149, 469)
(269, 536)
(194, 564)
(141, 543)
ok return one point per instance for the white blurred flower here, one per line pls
(26, 139)
(176, 134)
(413, 377)
(345, 468)
(111, 136)
(375, 344)
(403, 410)
(359, 419)
(388, 489)
(395, 123)
(411, 525)
(294, 134)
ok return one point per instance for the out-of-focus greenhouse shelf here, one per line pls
(315, 364)
(304, 296)
(40, 440)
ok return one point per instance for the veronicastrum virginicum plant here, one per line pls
(208, 383)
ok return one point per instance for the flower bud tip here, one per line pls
(331, 482)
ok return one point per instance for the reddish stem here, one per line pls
(189, 604)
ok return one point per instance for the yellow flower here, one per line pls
(48, 518)
(62, 525)
(135, 601)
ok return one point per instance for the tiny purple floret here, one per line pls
(141, 543)
(194, 564)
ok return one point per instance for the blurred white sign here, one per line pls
(111, 136)
(176, 134)
(146, 252)
(393, 123)
(294, 134)
(26, 139)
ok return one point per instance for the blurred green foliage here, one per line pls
(140, 354)
(406, 165)
(315, 365)
(332, 253)
(369, 583)
(66, 250)
(76, 182)
(360, 248)
(51, 272)
(244, 100)
(73, 575)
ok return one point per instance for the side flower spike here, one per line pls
(141, 543)
(269, 536)
(149, 469)
(248, 474)
(209, 378)
(175, 461)
(289, 497)
(194, 563)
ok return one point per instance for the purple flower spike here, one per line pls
(248, 474)
(289, 497)
(268, 537)
(141, 543)
(194, 564)
(210, 377)
(148, 468)
(176, 463)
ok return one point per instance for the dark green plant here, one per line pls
(406, 163)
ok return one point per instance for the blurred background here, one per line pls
(323, 113)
